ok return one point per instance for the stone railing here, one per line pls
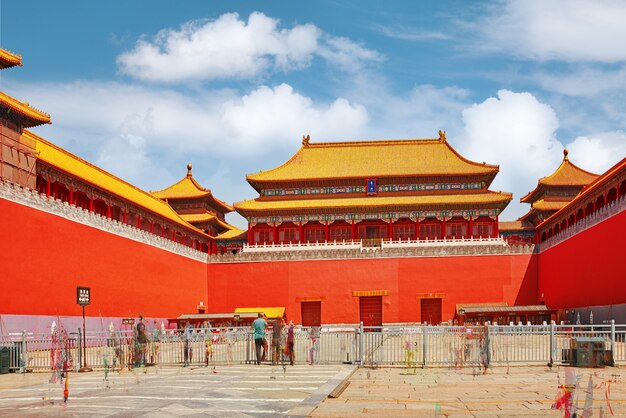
(34, 199)
(602, 214)
(388, 249)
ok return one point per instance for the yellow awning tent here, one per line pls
(271, 312)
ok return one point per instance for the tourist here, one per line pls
(276, 340)
(259, 326)
(188, 350)
(290, 343)
(142, 340)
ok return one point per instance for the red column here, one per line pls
(417, 229)
(470, 233)
(138, 221)
(48, 187)
(108, 211)
(301, 232)
(71, 202)
(152, 227)
(56, 190)
(443, 227)
(162, 231)
(495, 228)
(390, 229)
(174, 236)
(90, 203)
(250, 234)
(124, 217)
(275, 233)
(327, 231)
(353, 229)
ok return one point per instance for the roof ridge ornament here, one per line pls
(565, 152)
(442, 135)
(189, 170)
(305, 140)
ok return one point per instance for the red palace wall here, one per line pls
(461, 279)
(587, 269)
(44, 257)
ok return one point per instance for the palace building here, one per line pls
(379, 232)
(371, 190)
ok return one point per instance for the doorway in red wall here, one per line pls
(311, 314)
(371, 310)
(431, 310)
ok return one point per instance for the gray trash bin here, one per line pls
(4, 360)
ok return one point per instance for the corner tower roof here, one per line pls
(189, 188)
(9, 59)
(363, 159)
(567, 174)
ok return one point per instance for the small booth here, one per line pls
(276, 312)
(500, 313)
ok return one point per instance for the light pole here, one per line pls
(83, 298)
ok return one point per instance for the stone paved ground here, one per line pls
(232, 391)
(502, 392)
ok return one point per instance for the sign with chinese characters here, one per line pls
(371, 186)
(83, 295)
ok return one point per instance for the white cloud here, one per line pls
(410, 33)
(517, 132)
(598, 152)
(223, 48)
(230, 48)
(585, 82)
(147, 135)
(569, 30)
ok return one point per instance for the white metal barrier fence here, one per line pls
(411, 346)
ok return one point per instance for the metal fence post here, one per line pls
(551, 361)
(613, 354)
(80, 351)
(23, 354)
(425, 345)
(487, 348)
(361, 342)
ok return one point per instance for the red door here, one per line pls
(431, 310)
(371, 310)
(311, 314)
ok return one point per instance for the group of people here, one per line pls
(282, 339)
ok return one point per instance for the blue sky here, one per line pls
(141, 88)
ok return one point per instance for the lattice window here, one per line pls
(430, 231)
(403, 231)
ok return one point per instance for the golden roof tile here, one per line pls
(189, 188)
(365, 159)
(79, 168)
(33, 117)
(567, 174)
(9, 59)
(547, 205)
(198, 217)
(232, 233)
(489, 197)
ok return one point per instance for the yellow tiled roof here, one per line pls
(34, 116)
(75, 166)
(567, 174)
(232, 233)
(9, 59)
(205, 217)
(542, 204)
(513, 225)
(363, 159)
(198, 217)
(256, 205)
(189, 188)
